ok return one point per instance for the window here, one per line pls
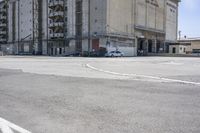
(196, 51)
(60, 50)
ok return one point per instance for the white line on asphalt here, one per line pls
(6, 127)
(143, 76)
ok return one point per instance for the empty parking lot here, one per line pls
(101, 95)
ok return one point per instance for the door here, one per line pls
(174, 50)
(51, 51)
(60, 51)
(95, 44)
(141, 45)
(150, 46)
(158, 46)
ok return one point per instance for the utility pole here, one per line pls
(89, 24)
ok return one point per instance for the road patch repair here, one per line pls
(8, 127)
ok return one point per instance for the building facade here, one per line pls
(3, 23)
(63, 27)
(177, 48)
(192, 45)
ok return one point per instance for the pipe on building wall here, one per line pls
(89, 26)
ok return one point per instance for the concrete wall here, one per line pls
(140, 13)
(71, 19)
(25, 22)
(171, 20)
(150, 14)
(26, 19)
(10, 20)
(160, 16)
(98, 17)
(180, 49)
(195, 44)
(44, 19)
(120, 16)
(126, 46)
(192, 45)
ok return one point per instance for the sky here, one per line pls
(189, 18)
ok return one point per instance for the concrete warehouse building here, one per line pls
(62, 27)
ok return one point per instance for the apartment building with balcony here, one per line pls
(56, 20)
(36, 27)
(3, 23)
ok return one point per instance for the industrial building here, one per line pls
(64, 27)
(186, 46)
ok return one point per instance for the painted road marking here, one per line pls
(8, 127)
(143, 76)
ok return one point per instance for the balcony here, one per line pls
(3, 40)
(56, 25)
(2, 10)
(2, 17)
(2, 32)
(56, 14)
(2, 25)
(56, 35)
(54, 3)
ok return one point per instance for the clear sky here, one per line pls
(189, 18)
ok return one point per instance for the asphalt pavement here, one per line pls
(101, 95)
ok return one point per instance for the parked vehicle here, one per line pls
(75, 54)
(114, 54)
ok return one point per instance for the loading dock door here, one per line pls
(95, 44)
